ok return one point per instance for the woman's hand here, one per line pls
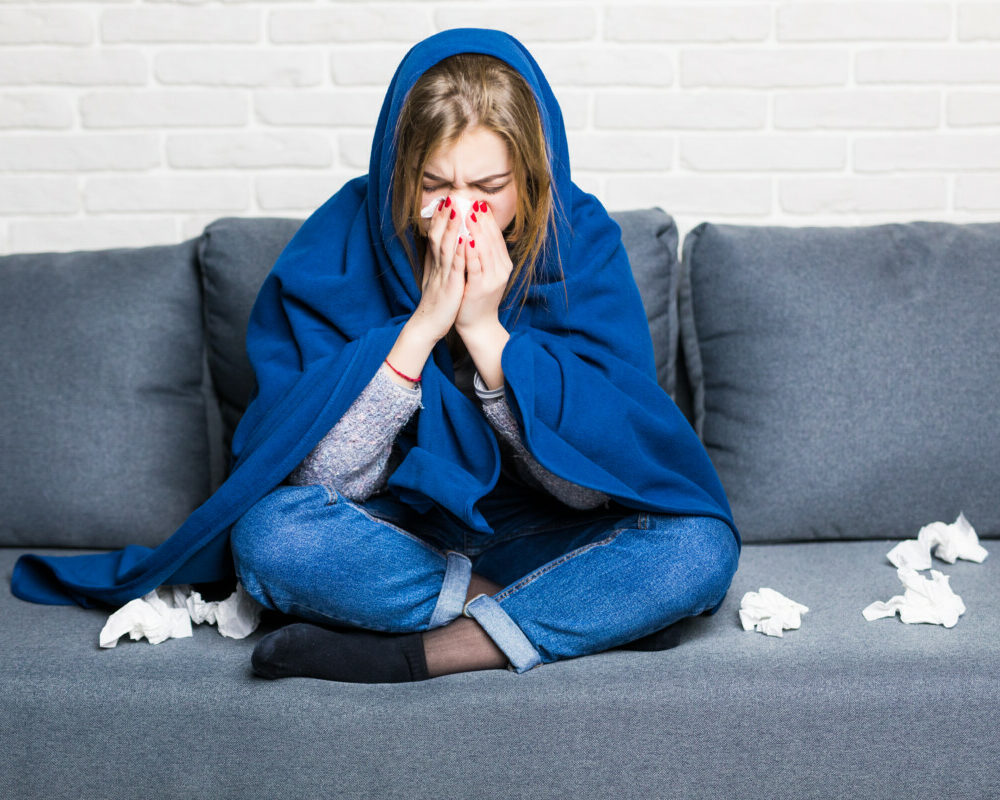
(443, 280)
(488, 267)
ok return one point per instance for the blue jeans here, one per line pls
(575, 582)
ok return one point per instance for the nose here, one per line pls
(464, 201)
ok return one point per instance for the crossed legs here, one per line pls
(310, 553)
(573, 590)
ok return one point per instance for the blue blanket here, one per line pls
(578, 368)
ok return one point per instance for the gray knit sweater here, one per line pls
(357, 456)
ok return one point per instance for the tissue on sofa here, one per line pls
(930, 600)
(770, 612)
(958, 540)
(168, 611)
(923, 601)
(158, 616)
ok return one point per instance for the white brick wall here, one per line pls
(131, 122)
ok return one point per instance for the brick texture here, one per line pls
(126, 123)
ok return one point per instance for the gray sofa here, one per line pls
(844, 382)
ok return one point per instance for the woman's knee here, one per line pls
(716, 548)
(260, 539)
(708, 548)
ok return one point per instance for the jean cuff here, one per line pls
(457, 575)
(503, 631)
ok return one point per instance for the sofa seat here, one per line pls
(871, 708)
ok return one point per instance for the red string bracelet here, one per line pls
(401, 375)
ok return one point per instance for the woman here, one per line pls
(560, 568)
(456, 452)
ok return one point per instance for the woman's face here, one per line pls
(477, 167)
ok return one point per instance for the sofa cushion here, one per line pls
(650, 239)
(840, 707)
(236, 254)
(103, 412)
(845, 379)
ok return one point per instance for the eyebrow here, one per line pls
(432, 176)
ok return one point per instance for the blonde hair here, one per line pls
(463, 91)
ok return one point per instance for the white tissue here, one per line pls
(462, 206)
(924, 600)
(931, 600)
(168, 611)
(770, 612)
(957, 540)
(155, 616)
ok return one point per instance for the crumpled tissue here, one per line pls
(168, 611)
(770, 612)
(923, 601)
(462, 206)
(929, 600)
(957, 540)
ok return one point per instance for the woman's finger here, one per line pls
(473, 262)
(479, 244)
(491, 244)
(448, 220)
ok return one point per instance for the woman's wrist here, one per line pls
(485, 344)
(418, 329)
(424, 325)
(409, 354)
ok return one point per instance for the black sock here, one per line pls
(311, 651)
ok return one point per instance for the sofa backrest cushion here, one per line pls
(103, 410)
(650, 236)
(236, 254)
(845, 379)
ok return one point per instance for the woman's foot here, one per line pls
(310, 651)
(360, 656)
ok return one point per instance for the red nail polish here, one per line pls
(459, 239)
(447, 202)
(440, 205)
(472, 242)
(452, 214)
(483, 206)
(474, 218)
(475, 206)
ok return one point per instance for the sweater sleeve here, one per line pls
(498, 412)
(356, 457)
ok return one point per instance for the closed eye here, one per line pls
(481, 188)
